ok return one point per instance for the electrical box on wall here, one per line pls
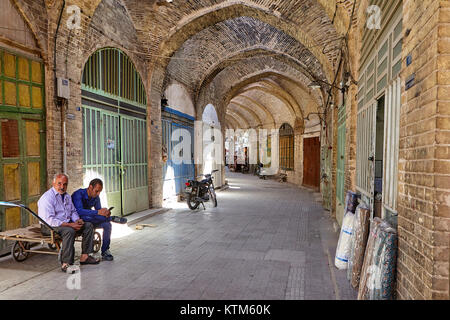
(63, 88)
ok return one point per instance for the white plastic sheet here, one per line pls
(343, 249)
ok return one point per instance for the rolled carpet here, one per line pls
(367, 267)
(361, 231)
(382, 282)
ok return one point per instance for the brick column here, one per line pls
(424, 166)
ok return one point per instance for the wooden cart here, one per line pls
(25, 238)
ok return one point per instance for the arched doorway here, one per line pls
(212, 156)
(114, 129)
(286, 147)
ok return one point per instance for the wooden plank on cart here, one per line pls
(31, 232)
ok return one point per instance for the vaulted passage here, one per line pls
(345, 100)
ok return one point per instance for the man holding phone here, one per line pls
(89, 208)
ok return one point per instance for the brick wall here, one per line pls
(424, 180)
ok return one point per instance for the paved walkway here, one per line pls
(265, 240)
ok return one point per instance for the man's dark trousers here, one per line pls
(104, 223)
(68, 236)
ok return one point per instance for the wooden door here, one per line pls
(311, 162)
(22, 176)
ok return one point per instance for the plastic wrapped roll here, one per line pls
(381, 284)
(368, 268)
(361, 231)
(352, 246)
(352, 202)
(343, 246)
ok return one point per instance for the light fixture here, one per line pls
(317, 84)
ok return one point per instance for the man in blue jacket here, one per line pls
(89, 208)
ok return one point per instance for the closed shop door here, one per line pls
(311, 162)
(22, 138)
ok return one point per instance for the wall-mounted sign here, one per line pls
(110, 144)
(408, 60)
(70, 116)
(410, 81)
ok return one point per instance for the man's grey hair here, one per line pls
(57, 175)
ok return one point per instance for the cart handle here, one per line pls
(10, 204)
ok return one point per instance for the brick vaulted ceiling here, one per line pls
(221, 50)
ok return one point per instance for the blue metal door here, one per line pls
(174, 174)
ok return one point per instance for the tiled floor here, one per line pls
(265, 240)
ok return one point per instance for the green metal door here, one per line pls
(115, 129)
(115, 150)
(340, 192)
(134, 164)
(101, 152)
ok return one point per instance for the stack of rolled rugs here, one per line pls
(377, 275)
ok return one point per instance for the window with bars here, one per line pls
(110, 71)
(286, 147)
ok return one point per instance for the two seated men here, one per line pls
(74, 216)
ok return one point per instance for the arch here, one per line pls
(260, 52)
(126, 82)
(249, 110)
(258, 105)
(209, 116)
(179, 99)
(39, 31)
(238, 117)
(272, 93)
(284, 93)
(232, 121)
(243, 114)
(231, 9)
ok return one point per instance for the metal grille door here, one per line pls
(341, 156)
(365, 151)
(115, 150)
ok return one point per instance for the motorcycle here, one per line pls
(200, 192)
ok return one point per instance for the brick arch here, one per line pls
(257, 52)
(239, 118)
(250, 117)
(272, 14)
(199, 58)
(198, 20)
(257, 104)
(227, 83)
(279, 92)
(248, 110)
(36, 17)
(273, 93)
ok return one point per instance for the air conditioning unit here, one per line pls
(63, 88)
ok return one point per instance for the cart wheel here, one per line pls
(52, 246)
(97, 242)
(17, 251)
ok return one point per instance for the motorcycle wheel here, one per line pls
(212, 196)
(192, 204)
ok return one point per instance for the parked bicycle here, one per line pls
(200, 192)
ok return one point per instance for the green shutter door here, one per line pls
(340, 192)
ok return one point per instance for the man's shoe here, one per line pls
(120, 220)
(90, 260)
(107, 256)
